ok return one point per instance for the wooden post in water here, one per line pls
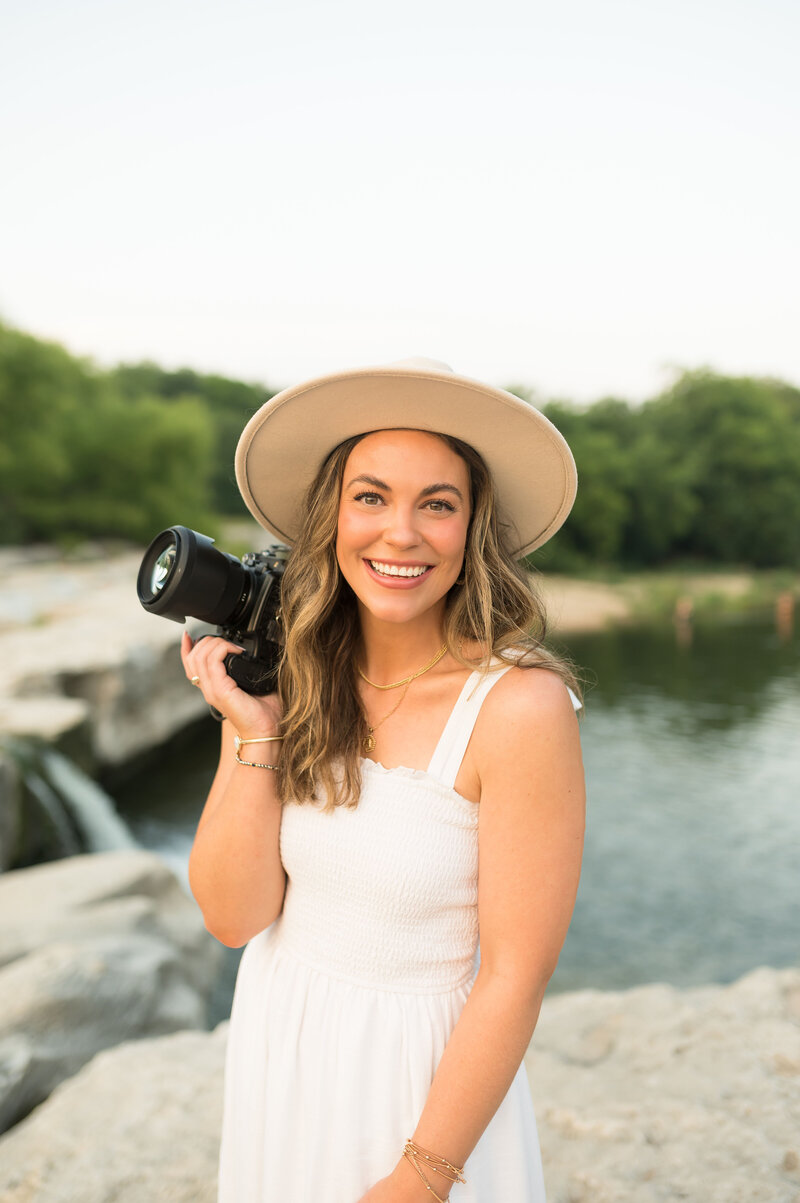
(682, 618)
(784, 615)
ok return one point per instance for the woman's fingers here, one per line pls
(186, 647)
(205, 659)
(204, 665)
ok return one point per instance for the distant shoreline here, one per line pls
(574, 604)
(577, 605)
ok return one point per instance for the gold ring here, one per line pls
(195, 680)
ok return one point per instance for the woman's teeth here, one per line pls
(396, 570)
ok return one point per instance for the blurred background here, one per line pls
(594, 206)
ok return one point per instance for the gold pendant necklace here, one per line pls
(368, 742)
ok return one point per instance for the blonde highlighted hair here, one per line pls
(494, 603)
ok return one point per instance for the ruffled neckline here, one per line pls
(422, 776)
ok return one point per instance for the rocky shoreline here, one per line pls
(647, 1095)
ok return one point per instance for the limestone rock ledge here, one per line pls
(660, 1094)
(649, 1095)
(94, 950)
(85, 668)
(140, 1124)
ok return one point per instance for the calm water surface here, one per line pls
(692, 757)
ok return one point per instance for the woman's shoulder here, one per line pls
(528, 685)
(520, 702)
(527, 719)
(529, 690)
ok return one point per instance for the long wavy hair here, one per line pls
(494, 602)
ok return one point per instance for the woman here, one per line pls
(419, 730)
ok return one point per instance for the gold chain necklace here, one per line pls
(368, 742)
(407, 680)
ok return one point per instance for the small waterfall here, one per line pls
(68, 812)
(92, 810)
(53, 809)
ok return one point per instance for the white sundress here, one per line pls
(344, 1005)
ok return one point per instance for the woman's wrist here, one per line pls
(257, 751)
(411, 1188)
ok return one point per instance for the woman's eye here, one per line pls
(438, 505)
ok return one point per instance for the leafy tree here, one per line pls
(230, 404)
(739, 443)
(79, 460)
(598, 439)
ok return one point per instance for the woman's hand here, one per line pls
(250, 716)
(385, 1191)
(403, 1187)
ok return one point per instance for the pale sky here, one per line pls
(579, 196)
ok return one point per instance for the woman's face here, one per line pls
(403, 516)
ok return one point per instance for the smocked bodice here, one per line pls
(386, 893)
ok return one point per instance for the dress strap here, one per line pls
(446, 760)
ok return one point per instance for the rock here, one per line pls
(62, 722)
(140, 1124)
(656, 1093)
(64, 1002)
(105, 893)
(94, 950)
(91, 658)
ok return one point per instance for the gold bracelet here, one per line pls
(410, 1157)
(238, 742)
(440, 1165)
(254, 764)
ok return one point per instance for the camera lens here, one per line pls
(162, 568)
(183, 573)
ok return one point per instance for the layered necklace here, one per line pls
(369, 739)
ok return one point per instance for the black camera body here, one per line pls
(182, 573)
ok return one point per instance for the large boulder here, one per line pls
(657, 1093)
(94, 950)
(94, 674)
(140, 1124)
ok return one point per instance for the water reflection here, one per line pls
(693, 763)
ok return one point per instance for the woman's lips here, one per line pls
(397, 582)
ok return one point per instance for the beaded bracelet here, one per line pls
(238, 743)
(255, 764)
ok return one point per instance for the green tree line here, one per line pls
(123, 453)
(708, 470)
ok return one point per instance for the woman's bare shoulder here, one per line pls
(523, 701)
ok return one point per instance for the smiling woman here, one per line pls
(370, 1059)
(406, 533)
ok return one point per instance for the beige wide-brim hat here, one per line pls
(286, 441)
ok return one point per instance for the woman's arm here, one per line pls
(530, 841)
(235, 870)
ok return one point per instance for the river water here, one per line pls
(692, 754)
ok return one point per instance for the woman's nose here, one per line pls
(401, 529)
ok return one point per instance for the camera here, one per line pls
(182, 573)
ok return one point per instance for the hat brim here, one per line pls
(286, 441)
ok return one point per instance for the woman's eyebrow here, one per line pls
(442, 486)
